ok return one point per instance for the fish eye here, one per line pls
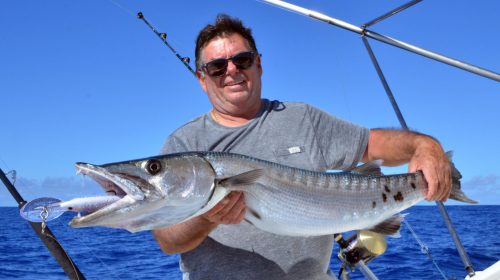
(153, 166)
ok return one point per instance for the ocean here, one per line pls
(102, 253)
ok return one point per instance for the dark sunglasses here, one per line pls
(218, 67)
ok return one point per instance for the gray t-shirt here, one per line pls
(293, 134)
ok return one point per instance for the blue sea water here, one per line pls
(102, 253)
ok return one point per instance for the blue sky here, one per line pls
(87, 81)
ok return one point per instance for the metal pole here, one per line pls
(453, 232)
(400, 44)
(385, 84)
(365, 270)
(451, 229)
(47, 237)
(391, 13)
(442, 209)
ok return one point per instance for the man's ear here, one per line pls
(201, 79)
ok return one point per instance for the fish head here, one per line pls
(154, 192)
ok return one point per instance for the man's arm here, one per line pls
(188, 235)
(420, 151)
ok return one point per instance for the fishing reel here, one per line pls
(358, 250)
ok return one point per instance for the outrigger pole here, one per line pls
(379, 37)
(46, 236)
(453, 62)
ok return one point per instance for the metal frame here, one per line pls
(371, 34)
(388, 40)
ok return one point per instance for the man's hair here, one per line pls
(224, 26)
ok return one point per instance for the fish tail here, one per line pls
(456, 188)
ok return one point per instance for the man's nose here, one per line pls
(231, 68)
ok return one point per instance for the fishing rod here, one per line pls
(384, 39)
(163, 37)
(46, 236)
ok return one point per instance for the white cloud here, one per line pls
(482, 183)
(485, 189)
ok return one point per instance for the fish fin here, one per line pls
(217, 196)
(245, 178)
(456, 188)
(369, 168)
(390, 226)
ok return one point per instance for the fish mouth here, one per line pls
(120, 185)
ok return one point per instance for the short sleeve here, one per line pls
(173, 144)
(342, 143)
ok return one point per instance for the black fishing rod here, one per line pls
(46, 236)
(163, 37)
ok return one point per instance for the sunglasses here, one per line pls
(218, 67)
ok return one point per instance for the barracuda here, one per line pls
(163, 190)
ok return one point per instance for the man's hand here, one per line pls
(432, 161)
(420, 151)
(230, 210)
(183, 237)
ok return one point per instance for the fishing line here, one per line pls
(90, 249)
(11, 171)
(128, 11)
(4, 163)
(424, 249)
(62, 249)
(14, 176)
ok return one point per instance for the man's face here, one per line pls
(237, 89)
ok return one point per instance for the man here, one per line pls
(220, 244)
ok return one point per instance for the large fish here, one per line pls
(163, 190)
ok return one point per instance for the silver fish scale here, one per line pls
(292, 201)
(305, 202)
